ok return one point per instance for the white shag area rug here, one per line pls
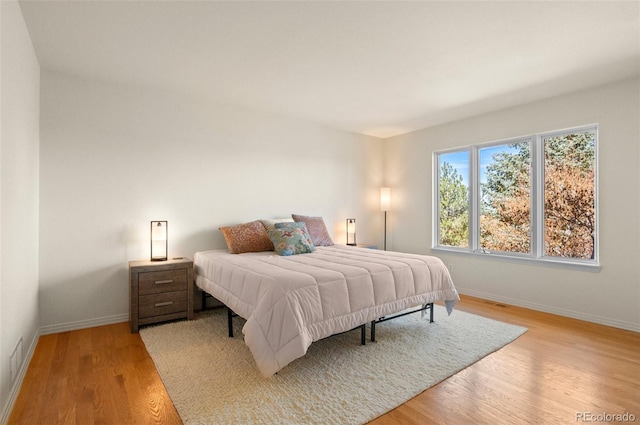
(212, 379)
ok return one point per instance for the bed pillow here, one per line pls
(247, 237)
(291, 239)
(317, 229)
(271, 223)
(293, 225)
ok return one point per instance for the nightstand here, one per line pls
(160, 291)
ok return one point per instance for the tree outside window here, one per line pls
(569, 195)
(505, 198)
(454, 200)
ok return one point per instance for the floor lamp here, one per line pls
(385, 205)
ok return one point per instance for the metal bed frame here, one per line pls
(363, 327)
(424, 307)
(363, 339)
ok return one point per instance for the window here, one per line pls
(505, 206)
(531, 197)
(569, 195)
(454, 199)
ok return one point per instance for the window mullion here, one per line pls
(537, 197)
(474, 200)
(435, 202)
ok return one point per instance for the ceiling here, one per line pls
(380, 68)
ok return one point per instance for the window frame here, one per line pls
(478, 197)
(537, 249)
(436, 197)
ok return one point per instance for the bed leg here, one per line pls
(363, 334)
(230, 321)
(430, 312)
(373, 331)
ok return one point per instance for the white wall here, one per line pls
(611, 296)
(19, 116)
(115, 157)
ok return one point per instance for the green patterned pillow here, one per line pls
(291, 239)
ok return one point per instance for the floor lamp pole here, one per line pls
(385, 230)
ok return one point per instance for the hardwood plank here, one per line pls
(558, 368)
(58, 379)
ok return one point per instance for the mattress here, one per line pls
(290, 301)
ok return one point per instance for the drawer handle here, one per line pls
(161, 282)
(163, 304)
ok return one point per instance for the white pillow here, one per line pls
(270, 224)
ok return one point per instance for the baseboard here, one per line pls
(629, 326)
(83, 324)
(15, 388)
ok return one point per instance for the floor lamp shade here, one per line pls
(159, 240)
(385, 199)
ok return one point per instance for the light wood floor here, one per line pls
(557, 370)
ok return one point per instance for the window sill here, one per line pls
(544, 262)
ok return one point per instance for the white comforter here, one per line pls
(289, 302)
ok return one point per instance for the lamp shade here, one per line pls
(351, 231)
(385, 199)
(159, 240)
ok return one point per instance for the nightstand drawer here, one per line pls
(162, 281)
(160, 291)
(163, 303)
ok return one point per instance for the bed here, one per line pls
(291, 301)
